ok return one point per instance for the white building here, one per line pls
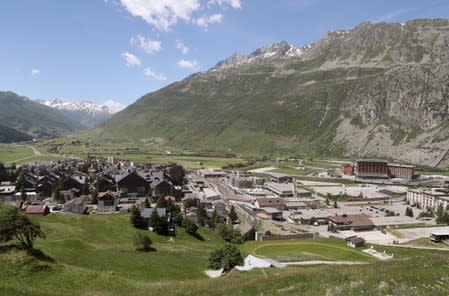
(281, 189)
(428, 198)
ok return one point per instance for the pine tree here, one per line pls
(214, 219)
(95, 197)
(202, 215)
(440, 214)
(233, 215)
(147, 204)
(137, 220)
(161, 202)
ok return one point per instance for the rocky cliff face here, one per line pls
(378, 90)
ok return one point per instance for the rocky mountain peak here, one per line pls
(263, 55)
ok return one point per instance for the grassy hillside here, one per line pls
(94, 255)
(32, 118)
(356, 92)
(9, 135)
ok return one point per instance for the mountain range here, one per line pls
(87, 113)
(22, 119)
(377, 90)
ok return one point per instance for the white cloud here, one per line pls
(182, 47)
(149, 73)
(233, 3)
(148, 45)
(162, 14)
(186, 64)
(35, 72)
(131, 60)
(206, 20)
(114, 106)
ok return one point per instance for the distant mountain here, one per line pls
(29, 117)
(377, 90)
(263, 55)
(87, 113)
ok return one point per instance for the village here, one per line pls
(385, 203)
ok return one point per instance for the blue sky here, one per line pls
(122, 49)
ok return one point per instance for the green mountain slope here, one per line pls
(376, 90)
(10, 135)
(32, 118)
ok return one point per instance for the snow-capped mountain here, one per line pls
(87, 113)
(262, 55)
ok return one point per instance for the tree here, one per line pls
(85, 188)
(440, 214)
(327, 201)
(446, 217)
(95, 196)
(147, 204)
(177, 175)
(335, 204)
(144, 241)
(202, 215)
(14, 224)
(161, 202)
(233, 215)
(137, 220)
(159, 224)
(226, 258)
(190, 226)
(214, 219)
(23, 194)
(229, 234)
(191, 203)
(179, 219)
(3, 173)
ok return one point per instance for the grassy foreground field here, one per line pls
(14, 153)
(94, 255)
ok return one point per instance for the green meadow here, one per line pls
(95, 255)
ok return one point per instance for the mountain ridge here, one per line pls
(87, 113)
(376, 90)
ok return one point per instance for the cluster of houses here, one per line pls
(111, 182)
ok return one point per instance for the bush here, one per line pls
(226, 258)
(143, 241)
(189, 226)
(230, 234)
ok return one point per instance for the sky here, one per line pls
(119, 50)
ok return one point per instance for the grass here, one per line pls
(417, 225)
(325, 249)
(95, 242)
(426, 242)
(12, 152)
(95, 255)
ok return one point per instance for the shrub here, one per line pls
(226, 258)
(143, 241)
